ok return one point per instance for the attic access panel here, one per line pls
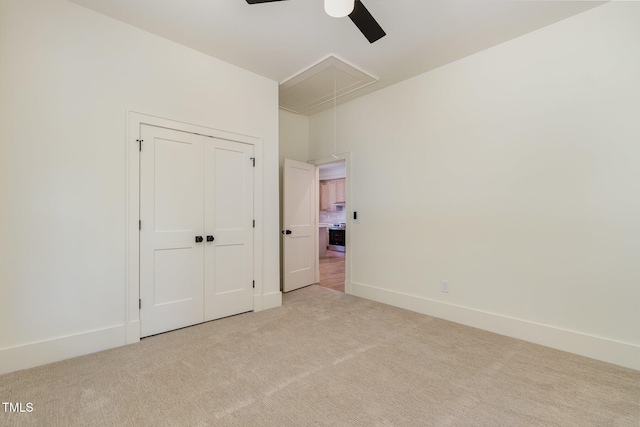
(315, 85)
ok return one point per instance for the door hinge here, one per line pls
(140, 225)
(139, 144)
(254, 223)
(253, 159)
(139, 304)
(254, 284)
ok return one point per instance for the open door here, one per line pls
(300, 231)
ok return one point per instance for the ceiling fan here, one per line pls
(352, 8)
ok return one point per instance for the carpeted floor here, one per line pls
(326, 359)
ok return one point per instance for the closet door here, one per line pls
(228, 264)
(172, 215)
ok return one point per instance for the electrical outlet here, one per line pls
(444, 286)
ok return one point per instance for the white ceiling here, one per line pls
(281, 39)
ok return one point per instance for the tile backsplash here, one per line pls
(334, 217)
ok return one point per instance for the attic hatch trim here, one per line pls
(314, 86)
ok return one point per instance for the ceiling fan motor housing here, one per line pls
(356, 11)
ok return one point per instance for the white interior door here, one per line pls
(171, 212)
(229, 221)
(300, 230)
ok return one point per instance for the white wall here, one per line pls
(515, 175)
(68, 76)
(294, 136)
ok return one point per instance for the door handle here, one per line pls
(210, 239)
(286, 231)
(198, 239)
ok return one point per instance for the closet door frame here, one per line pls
(135, 121)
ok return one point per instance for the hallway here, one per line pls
(332, 270)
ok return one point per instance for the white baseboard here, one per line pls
(606, 350)
(271, 300)
(133, 331)
(257, 303)
(53, 350)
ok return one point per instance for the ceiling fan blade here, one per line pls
(260, 1)
(366, 23)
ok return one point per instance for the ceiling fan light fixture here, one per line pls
(338, 8)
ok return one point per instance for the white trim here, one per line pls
(317, 221)
(348, 207)
(133, 331)
(271, 300)
(137, 119)
(133, 236)
(258, 232)
(42, 352)
(606, 350)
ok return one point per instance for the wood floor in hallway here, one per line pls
(332, 270)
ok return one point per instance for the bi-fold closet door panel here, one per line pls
(228, 209)
(196, 237)
(172, 215)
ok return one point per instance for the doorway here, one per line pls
(332, 221)
(302, 247)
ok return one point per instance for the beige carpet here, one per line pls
(326, 359)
